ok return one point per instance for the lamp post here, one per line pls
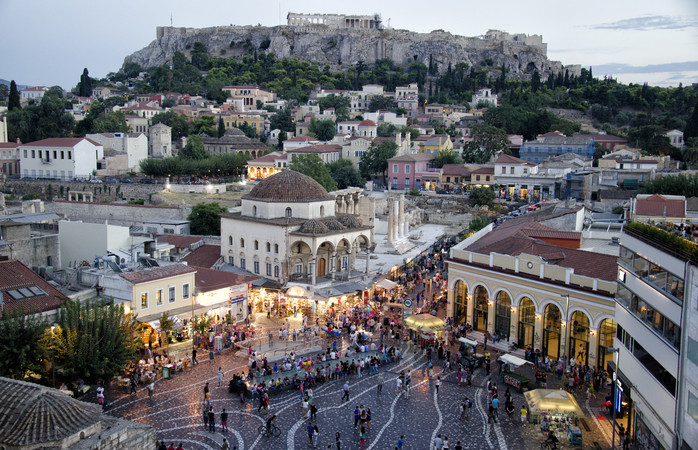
(567, 325)
(614, 394)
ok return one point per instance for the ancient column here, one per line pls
(401, 217)
(391, 238)
(396, 217)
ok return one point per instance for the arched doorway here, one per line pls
(607, 331)
(481, 307)
(502, 318)
(460, 302)
(552, 326)
(579, 337)
(321, 267)
(527, 322)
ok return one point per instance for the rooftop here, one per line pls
(210, 280)
(156, 273)
(203, 257)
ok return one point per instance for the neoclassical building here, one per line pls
(292, 231)
(532, 284)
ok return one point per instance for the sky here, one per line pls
(49, 42)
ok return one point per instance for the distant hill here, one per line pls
(19, 86)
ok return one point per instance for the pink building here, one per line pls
(415, 171)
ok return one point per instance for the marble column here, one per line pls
(391, 237)
(313, 269)
(401, 218)
(396, 223)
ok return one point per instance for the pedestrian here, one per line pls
(338, 440)
(345, 388)
(398, 387)
(310, 430)
(399, 442)
(194, 361)
(313, 411)
(357, 416)
(468, 405)
(438, 442)
(524, 413)
(463, 408)
(224, 445)
(458, 446)
(211, 420)
(437, 384)
(495, 406)
(151, 388)
(220, 376)
(205, 419)
(446, 445)
(133, 386)
(380, 383)
(362, 416)
(316, 436)
(490, 413)
(368, 419)
(509, 408)
(224, 421)
(362, 435)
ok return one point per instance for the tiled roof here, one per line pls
(204, 256)
(269, 158)
(156, 273)
(35, 416)
(210, 280)
(15, 275)
(655, 205)
(9, 145)
(59, 142)
(301, 139)
(367, 123)
(508, 159)
(602, 137)
(455, 169)
(179, 240)
(320, 148)
(36, 88)
(414, 157)
(483, 170)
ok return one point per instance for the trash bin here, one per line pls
(165, 372)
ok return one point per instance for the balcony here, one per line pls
(671, 243)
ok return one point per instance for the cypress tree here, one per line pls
(691, 130)
(221, 127)
(13, 101)
(85, 84)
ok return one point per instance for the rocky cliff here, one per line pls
(341, 48)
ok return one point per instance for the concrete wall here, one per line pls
(103, 192)
(85, 241)
(116, 214)
(35, 251)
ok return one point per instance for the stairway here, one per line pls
(501, 346)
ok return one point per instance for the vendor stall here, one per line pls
(555, 410)
(426, 326)
(510, 364)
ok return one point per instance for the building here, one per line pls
(137, 124)
(555, 145)
(290, 230)
(249, 96)
(415, 171)
(407, 98)
(143, 109)
(123, 152)
(86, 241)
(607, 141)
(60, 158)
(529, 281)
(34, 93)
(453, 176)
(222, 293)
(24, 291)
(299, 141)
(483, 96)
(656, 208)
(31, 238)
(236, 120)
(267, 165)
(3, 129)
(675, 137)
(433, 144)
(334, 20)
(160, 141)
(328, 153)
(518, 178)
(39, 417)
(234, 141)
(9, 159)
(656, 338)
(165, 226)
(481, 177)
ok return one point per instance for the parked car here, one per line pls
(147, 181)
(111, 180)
(94, 180)
(126, 180)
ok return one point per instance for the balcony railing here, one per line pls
(669, 242)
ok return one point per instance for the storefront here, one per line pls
(460, 303)
(481, 309)
(622, 402)
(555, 410)
(552, 326)
(527, 322)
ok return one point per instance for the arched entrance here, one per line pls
(527, 322)
(607, 331)
(552, 326)
(502, 318)
(460, 302)
(481, 307)
(321, 262)
(579, 337)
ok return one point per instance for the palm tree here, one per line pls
(166, 325)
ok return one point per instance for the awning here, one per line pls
(386, 284)
(552, 401)
(514, 361)
(425, 323)
(467, 341)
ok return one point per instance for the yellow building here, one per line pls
(434, 144)
(235, 120)
(532, 284)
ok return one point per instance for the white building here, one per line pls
(125, 151)
(675, 137)
(160, 141)
(36, 92)
(658, 351)
(60, 158)
(484, 95)
(86, 241)
(289, 230)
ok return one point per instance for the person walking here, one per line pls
(205, 418)
(524, 413)
(345, 388)
(310, 430)
(495, 408)
(316, 436)
(368, 419)
(133, 387)
(468, 405)
(151, 388)
(398, 387)
(224, 421)
(194, 361)
(400, 441)
(338, 440)
(380, 383)
(211, 420)
(357, 417)
(362, 435)
(437, 384)
(438, 442)
(220, 376)
(313, 410)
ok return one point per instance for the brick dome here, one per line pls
(288, 186)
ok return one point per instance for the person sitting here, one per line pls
(552, 440)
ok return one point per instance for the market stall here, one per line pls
(509, 374)
(427, 326)
(556, 411)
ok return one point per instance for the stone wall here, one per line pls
(116, 213)
(34, 251)
(51, 189)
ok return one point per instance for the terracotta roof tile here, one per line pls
(59, 142)
(654, 206)
(179, 240)
(155, 273)
(204, 256)
(15, 275)
(210, 280)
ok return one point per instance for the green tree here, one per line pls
(23, 345)
(345, 174)
(482, 196)
(386, 129)
(380, 102)
(199, 56)
(85, 85)
(311, 165)
(178, 123)
(283, 121)
(166, 327)
(111, 122)
(414, 133)
(478, 223)
(94, 340)
(194, 149)
(205, 219)
(375, 160)
(46, 120)
(487, 142)
(249, 130)
(340, 104)
(132, 69)
(672, 185)
(204, 125)
(691, 130)
(13, 101)
(446, 157)
(322, 129)
(221, 127)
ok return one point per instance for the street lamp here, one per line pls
(567, 320)
(615, 400)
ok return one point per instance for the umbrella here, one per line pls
(425, 322)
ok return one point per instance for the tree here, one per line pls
(283, 121)
(199, 56)
(672, 185)
(322, 129)
(482, 196)
(386, 129)
(194, 149)
(13, 99)
(94, 340)
(311, 165)
(205, 125)
(178, 123)
(340, 104)
(250, 131)
(380, 102)
(691, 130)
(478, 223)
(375, 160)
(414, 133)
(446, 157)
(221, 127)
(345, 174)
(23, 345)
(132, 69)
(166, 326)
(47, 120)
(205, 219)
(85, 85)
(535, 81)
(487, 142)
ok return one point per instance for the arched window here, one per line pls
(268, 246)
(276, 248)
(254, 210)
(256, 245)
(322, 211)
(230, 240)
(242, 242)
(289, 213)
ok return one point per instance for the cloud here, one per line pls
(648, 23)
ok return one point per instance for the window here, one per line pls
(276, 271)
(504, 170)
(322, 211)
(171, 294)
(692, 405)
(243, 263)
(477, 177)
(408, 183)
(33, 154)
(185, 289)
(395, 169)
(256, 267)
(268, 246)
(276, 248)
(511, 170)
(299, 269)
(254, 210)
(653, 366)
(158, 297)
(230, 240)
(289, 212)
(25, 154)
(407, 169)
(345, 262)
(231, 260)
(268, 269)
(242, 242)
(144, 300)
(651, 317)
(70, 154)
(525, 170)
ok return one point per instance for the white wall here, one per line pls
(298, 210)
(84, 241)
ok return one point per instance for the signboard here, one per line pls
(406, 312)
(512, 381)
(408, 303)
(237, 294)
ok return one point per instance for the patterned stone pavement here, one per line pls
(177, 405)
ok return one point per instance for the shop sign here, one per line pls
(406, 312)
(512, 381)
(408, 303)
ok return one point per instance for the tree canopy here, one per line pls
(487, 142)
(345, 174)
(13, 101)
(686, 185)
(85, 84)
(45, 120)
(311, 165)
(482, 196)
(340, 103)
(178, 123)
(322, 129)
(23, 344)
(375, 160)
(446, 157)
(205, 219)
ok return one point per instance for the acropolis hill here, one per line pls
(342, 41)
